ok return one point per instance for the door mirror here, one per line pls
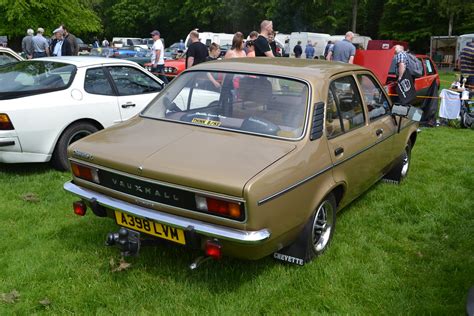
(407, 111)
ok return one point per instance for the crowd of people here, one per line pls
(62, 43)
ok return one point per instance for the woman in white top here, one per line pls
(237, 49)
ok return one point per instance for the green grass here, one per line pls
(403, 249)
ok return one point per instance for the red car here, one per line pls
(173, 67)
(382, 63)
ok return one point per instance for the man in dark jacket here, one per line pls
(59, 46)
(72, 41)
(298, 50)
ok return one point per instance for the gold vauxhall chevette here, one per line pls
(245, 158)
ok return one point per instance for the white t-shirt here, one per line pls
(158, 45)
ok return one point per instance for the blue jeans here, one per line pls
(160, 70)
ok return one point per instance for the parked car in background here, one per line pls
(257, 164)
(173, 67)
(84, 49)
(128, 41)
(46, 104)
(382, 63)
(8, 56)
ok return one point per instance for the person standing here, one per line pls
(405, 86)
(273, 45)
(95, 42)
(40, 44)
(197, 51)
(60, 46)
(214, 52)
(27, 44)
(237, 49)
(344, 50)
(72, 41)
(262, 47)
(309, 50)
(466, 63)
(328, 48)
(297, 50)
(286, 48)
(158, 56)
(250, 48)
(105, 43)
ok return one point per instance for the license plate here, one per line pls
(150, 227)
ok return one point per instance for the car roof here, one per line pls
(85, 61)
(308, 69)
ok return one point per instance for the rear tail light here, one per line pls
(213, 249)
(220, 207)
(84, 172)
(5, 123)
(80, 208)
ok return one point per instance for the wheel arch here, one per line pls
(82, 120)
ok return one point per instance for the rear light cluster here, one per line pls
(219, 207)
(84, 172)
(5, 123)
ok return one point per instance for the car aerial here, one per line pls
(8, 56)
(382, 63)
(48, 103)
(245, 157)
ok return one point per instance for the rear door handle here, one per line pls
(128, 104)
(338, 151)
(379, 132)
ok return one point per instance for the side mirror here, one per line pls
(409, 112)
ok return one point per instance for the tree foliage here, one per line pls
(19, 15)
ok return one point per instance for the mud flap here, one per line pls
(297, 252)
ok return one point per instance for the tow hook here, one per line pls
(128, 241)
(199, 261)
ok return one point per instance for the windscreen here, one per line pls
(249, 103)
(28, 77)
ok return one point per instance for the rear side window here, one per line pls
(96, 82)
(377, 103)
(131, 81)
(349, 108)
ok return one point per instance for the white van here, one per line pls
(462, 41)
(319, 41)
(128, 41)
(207, 38)
(358, 40)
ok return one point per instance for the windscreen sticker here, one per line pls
(206, 122)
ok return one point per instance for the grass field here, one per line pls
(397, 250)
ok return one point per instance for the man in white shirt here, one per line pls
(158, 57)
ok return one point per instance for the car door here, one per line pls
(135, 89)
(381, 123)
(100, 100)
(350, 138)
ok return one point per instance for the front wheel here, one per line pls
(323, 223)
(73, 133)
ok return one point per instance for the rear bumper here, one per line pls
(202, 228)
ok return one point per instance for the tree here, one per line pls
(19, 15)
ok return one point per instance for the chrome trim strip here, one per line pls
(293, 186)
(207, 229)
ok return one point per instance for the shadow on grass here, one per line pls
(162, 259)
(27, 168)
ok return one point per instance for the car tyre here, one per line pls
(322, 225)
(401, 168)
(73, 133)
